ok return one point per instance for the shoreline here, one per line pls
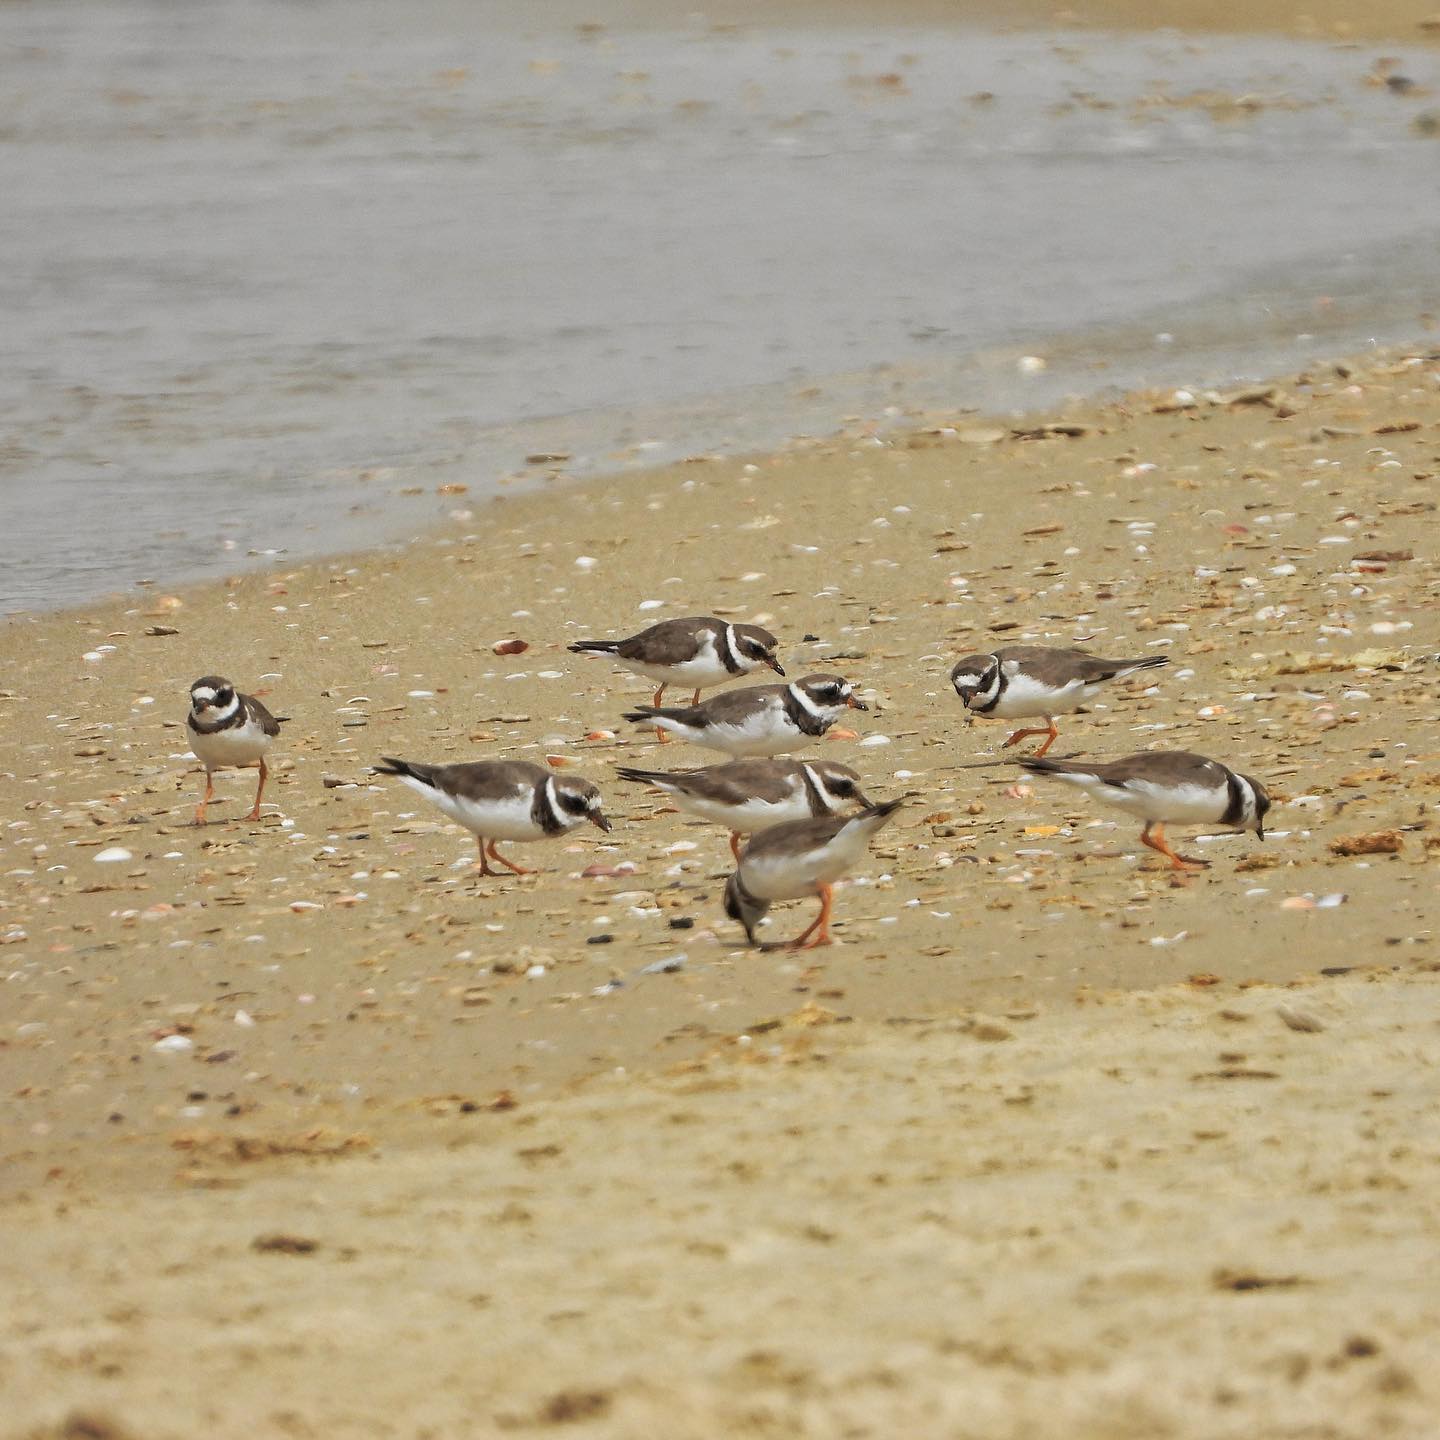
(1335, 20)
(245, 404)
(1090, 369)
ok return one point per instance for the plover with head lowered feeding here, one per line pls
(1164, 787)
(804, 857)
(698, 652)
(227, 728)
(760, 719)
(502, 800)
(1018, 682)
(750, 795)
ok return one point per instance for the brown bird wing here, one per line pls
(671, 642)
(267, 722)
(491, 780)
(797, 835)
(733, 784)
(1171, 768)
(1056, 666)
(732, 707)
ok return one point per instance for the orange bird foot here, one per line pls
(1016, 736)
(1153, 836)
(510, 865)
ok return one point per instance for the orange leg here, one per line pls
(695, 698)
(661, 735)
(483, 868)
(735, 844)
(494, 854)
(209, 796)
(1153, 835)
(1049, 731)
(260, 790)
(819, 928)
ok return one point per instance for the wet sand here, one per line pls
(1009, 1181)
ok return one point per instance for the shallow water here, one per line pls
(267, 267)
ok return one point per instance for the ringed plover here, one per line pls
(749, 795)
(803, 857)
(699, 652)
(1167, 787)
(1021, 681)
(227, 728)
(502, 800)
(760, 719)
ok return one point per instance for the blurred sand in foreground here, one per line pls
(1170, 1215)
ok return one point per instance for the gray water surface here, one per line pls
(266, 266)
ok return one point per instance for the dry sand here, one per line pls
(965, 1186)
(1170, 1215)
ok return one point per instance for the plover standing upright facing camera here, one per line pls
(1166, 787)
(750, 795)
(502, 800)
(760, 719)
(699, 651)
(805, 857)
(226, 729)
(1019, 682)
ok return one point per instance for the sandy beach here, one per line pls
(308, 1130)
(1048, 1143)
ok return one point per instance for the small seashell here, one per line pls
(510, 647)
(113, 854)
(174, 1045)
